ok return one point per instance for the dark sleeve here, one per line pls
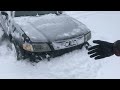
(116, 48)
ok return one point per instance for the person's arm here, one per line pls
(104, 49)
(116, 48)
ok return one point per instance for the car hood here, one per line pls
(51, 27)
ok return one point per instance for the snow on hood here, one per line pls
(51, 27)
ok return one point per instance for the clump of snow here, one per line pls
(72, 33)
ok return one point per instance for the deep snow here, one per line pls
(76, 64)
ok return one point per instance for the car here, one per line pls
(43, 34)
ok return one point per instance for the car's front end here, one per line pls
(38, 50)
(51, 35)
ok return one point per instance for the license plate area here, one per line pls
(68, 43)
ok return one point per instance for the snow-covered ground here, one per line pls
(73, 65)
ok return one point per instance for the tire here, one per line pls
(18, 51)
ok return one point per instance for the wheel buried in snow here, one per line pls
(18, 51)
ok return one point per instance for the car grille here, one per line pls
(68, 43)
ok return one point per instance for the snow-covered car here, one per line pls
(43, 34)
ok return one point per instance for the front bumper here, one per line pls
(52, 54)
(58, 52)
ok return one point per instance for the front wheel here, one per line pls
(18, 51)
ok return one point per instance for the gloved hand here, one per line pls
(102, 50)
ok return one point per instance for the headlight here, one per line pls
(27, 47)
(42, 47)
(87, 36)
(36, 47)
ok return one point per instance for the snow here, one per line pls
(74, 65)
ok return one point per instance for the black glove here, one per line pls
(102, 50)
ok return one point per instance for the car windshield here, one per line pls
(33, 13)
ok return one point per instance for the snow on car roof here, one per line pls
(23, 19)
